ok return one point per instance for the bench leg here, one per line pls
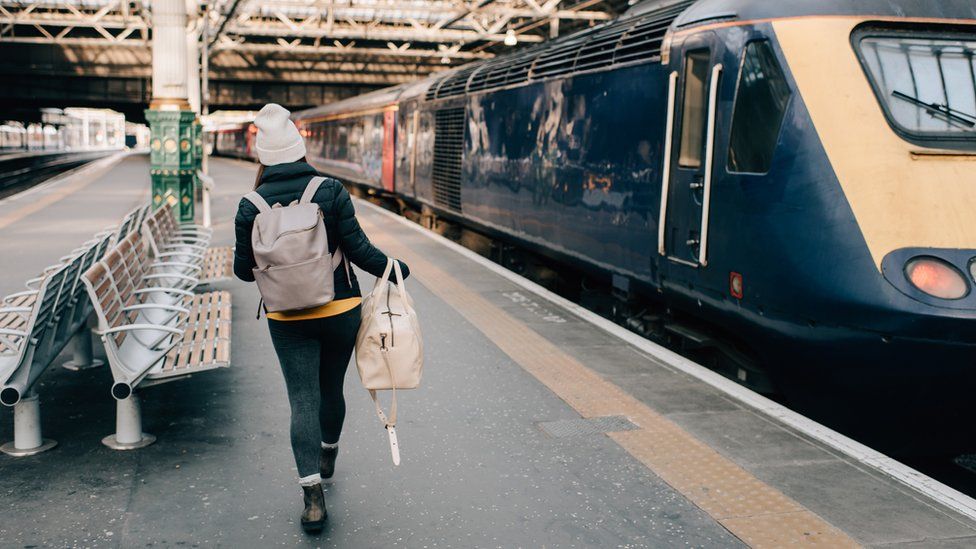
(128, 426)
(83, 358)
(27, 429)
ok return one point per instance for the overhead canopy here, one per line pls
(373, 42)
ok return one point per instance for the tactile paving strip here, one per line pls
(753, 511)
(586, 426)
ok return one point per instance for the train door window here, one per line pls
(341, 145)
(693, 109)
(759, 109)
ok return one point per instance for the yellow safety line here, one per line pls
(753, 511)
(83, 179)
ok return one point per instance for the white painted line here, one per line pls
(869, 457)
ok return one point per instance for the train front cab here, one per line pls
(798, 209)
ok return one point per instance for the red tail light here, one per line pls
(936, 278)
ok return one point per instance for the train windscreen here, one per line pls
(926, 83)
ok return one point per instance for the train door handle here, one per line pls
(692, 242)
(697, 183)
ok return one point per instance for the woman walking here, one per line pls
(313, 345)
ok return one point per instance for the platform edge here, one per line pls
(889, 467)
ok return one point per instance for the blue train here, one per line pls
(797, 176)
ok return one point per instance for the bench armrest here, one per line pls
(185, 245)
(163, 289)
(164, 264)
(177, 276)
(191, 235)
(194, 229)
(181, 254)
(8, 337)
(138, 327)
(159, 306)
(10, 297)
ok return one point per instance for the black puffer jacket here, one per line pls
(284, 183)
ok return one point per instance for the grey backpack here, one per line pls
(291, 248)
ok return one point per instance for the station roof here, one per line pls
(373, 42)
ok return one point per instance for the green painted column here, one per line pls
(173, 159)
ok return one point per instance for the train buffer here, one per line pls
(538, 423)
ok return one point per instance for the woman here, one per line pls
(313, 345)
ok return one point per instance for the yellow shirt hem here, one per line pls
(332, 308)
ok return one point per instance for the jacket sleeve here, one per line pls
(354, 242)
(243, 254)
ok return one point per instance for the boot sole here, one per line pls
(314, 527)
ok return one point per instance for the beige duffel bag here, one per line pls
(389, 348)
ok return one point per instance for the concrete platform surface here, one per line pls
(494, 450)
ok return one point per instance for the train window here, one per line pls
(693, 109)
(926, 82)
(760, 105)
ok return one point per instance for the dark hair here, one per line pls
(260, 174)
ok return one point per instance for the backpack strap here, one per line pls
(338, 256)
(311, 189)
(254, 198)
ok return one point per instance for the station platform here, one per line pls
(537, 425)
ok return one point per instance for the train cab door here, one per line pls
(389, 149)
(689, 142)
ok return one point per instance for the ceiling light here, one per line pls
(510, 38)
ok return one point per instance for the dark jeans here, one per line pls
(314, 355)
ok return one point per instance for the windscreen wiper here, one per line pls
(950, 114)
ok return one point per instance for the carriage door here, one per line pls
(389, 149)
(687, 172)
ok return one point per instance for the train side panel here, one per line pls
(571, 163)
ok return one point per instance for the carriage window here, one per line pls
(759, 108)
(927, 85)
(693, 109)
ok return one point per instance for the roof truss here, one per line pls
(395, 40)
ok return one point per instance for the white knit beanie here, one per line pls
(278, 139)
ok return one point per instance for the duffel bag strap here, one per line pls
(389, 424)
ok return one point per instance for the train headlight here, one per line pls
(936, 277)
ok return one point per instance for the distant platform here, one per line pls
(536, 425)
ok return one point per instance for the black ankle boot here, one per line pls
(313, 518)
(327, 463)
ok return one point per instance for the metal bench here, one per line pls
(37, 324)
(153, 332)
(187, 244)
(82, 353)
(132, 221)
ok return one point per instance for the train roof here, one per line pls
(705, 11)
(368, 101)
(634, 37)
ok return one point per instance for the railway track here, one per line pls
(19, 171)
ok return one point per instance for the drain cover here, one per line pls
(586, 426)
